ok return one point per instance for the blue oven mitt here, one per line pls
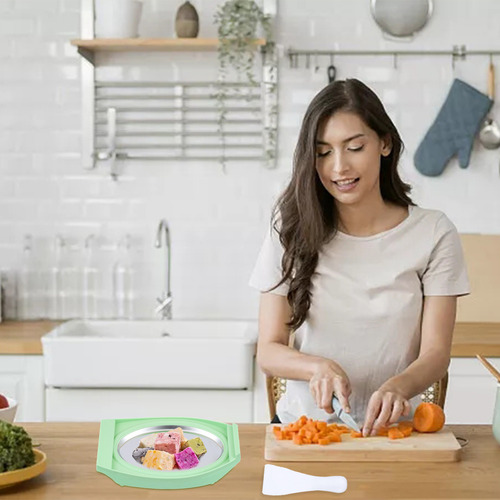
(453, 130)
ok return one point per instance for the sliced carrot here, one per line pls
(405, 423)
(406, 431)
(395, 433)
(278, 435)
(335, 437)
(297, 439)
(356, 434)
(323, 441)
(321, 426)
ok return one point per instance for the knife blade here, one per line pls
(345, 417)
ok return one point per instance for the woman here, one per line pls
(366, 280)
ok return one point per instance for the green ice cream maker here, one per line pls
(117, 437)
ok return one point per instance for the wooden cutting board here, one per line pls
(439, 446)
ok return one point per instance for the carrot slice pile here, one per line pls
(308, 431)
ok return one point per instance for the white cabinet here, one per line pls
(471, 394)
(21, 378)
(84, 405)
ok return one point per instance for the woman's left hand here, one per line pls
(385, 407)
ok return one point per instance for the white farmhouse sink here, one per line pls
(174, 353)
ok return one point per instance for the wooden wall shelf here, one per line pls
(87, 48)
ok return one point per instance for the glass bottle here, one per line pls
(56, 300)
(89, 280)
(26, 283)
(123, 291)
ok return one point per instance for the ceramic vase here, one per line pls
(186, 21)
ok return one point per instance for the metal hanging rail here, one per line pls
(152, 121)
(458, 52)
(113, 84)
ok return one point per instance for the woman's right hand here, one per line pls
(329, 378)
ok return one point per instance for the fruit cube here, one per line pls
(168, 441)
(160, 460)
(186, 459)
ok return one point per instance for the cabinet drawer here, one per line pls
(92, 405)
(470, 398)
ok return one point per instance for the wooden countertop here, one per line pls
(23, 337)
(71, 449)
(472, 338)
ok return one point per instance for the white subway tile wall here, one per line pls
(217, 218)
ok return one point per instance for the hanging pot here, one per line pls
(401, 18)
(186, 21)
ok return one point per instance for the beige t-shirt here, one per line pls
(366, 306)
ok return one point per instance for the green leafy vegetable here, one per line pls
(16, 450)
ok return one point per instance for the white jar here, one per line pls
(117, 18)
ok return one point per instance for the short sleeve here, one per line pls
(267, 271)
(446, 272)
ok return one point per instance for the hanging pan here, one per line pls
(401, 19)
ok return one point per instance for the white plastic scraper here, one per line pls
(283, 481)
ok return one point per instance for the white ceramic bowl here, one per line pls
(9, 413)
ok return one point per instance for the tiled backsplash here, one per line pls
(217, 219)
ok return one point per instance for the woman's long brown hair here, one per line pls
(305, 216)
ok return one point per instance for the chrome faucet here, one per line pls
(165, 300)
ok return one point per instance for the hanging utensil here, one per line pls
(489, 367)
(331, 71)
(489, 135)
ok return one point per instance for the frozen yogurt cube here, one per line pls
(186, 459)
(139, 453)
(168, 441)
(196, 444)
(180, 431)
(160, 460)
(148, 441)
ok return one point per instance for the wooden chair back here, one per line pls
(276, 387)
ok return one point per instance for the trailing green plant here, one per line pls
(238, 23)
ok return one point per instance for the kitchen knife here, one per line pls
(345, 417)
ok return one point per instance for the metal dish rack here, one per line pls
(175, 121)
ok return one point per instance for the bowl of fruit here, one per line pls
(8, 408)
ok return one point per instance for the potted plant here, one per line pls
(239, 23)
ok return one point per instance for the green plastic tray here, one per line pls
(118, 437)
